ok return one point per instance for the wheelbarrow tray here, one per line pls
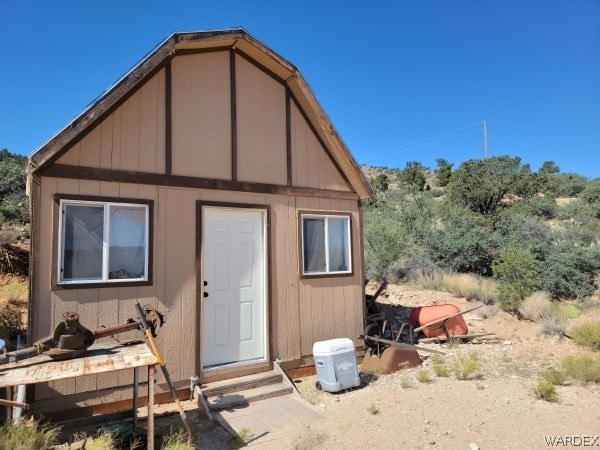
(423, 315)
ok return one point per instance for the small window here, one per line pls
(103, 242)
(325, 244)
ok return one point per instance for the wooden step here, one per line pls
(247, 396)
(224, 387)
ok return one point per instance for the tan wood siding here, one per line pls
(130, 138)
(201, 115)
(311, 167)
(261, 129)
(301, 311)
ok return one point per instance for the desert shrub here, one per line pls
(568, 271)
(460, 285)
(176, 439)
(585, 368)
(543, 207)
(385, 243)
(591, 197)
(13, 259)
(441, 370)
(423, 376)
(461, 245)
(554, 323)
(565, 184)
(463, 367)
(518, 275)
(373, 409)
(535, 306)
(587, 334)
(28, 434)
(526, 232)
(544, 390)
(11, 322)
(14, 206)
(554, 376)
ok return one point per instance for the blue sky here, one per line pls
(401, 80)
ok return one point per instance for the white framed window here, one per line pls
(103, 241)
(325, 244)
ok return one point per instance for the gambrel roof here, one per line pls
(182, 43)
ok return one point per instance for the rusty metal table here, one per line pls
(99, 358)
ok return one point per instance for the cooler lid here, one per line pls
(333, 347)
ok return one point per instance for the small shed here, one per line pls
(209, 183)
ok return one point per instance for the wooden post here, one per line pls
(151, 380)
(136, 381)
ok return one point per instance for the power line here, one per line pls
(424, 139)
(422, 145)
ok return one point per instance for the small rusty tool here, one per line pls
(163, 367)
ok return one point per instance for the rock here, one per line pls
(473, 446)
(507, 343)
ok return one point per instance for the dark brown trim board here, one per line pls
(199, 51)
(320, 140)
(300, 213)
(157, 179)
(260, 67)
(288, 135)
(101, 109)
(168, 118)
(56, 286)
(34, 259)
(361, 243)
(200, 204)
(233, 87)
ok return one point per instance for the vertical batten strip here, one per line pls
(233, 115)
(288, 134)
(168, 119)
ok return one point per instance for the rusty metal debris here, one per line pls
(70, 339)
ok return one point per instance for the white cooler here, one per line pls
(335, 362)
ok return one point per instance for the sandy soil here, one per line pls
(493, 409)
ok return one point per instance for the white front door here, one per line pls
(234, 286)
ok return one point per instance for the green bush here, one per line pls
(527, 232)
(554, 376)
(591, 196)
(518, 275)
(587, 334)
(545, 390)
(28, 434)
(585, 368)
(462, 245)
(14, 206)
(568, 271)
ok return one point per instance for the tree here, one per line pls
(14, 207)
(518, 275)
(481, 184)
(549, 167)
(413, 175)
(591, 196)
(381, 182)
(443, 171)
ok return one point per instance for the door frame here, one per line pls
(236, 368)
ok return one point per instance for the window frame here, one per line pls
(325, 215)
(58, 254)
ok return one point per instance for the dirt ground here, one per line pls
(493, 409)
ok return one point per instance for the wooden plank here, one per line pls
(130, 133)
(116, 139)
(71, 156)
(293, 295)
(74, 172)
(261, 126)
(106, 144)
(99, 359)
(149, 125)
(163, 141)
(305, 304)
(188, 347)
(90, 147)
(278, 279)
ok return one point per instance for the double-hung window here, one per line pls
(325, 242)
(103, 241)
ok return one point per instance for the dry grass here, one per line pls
(587, 334)
(585, 368)
(536, 306)
(29, 434)
(544, 390)
(461, 285)
(465, 367)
